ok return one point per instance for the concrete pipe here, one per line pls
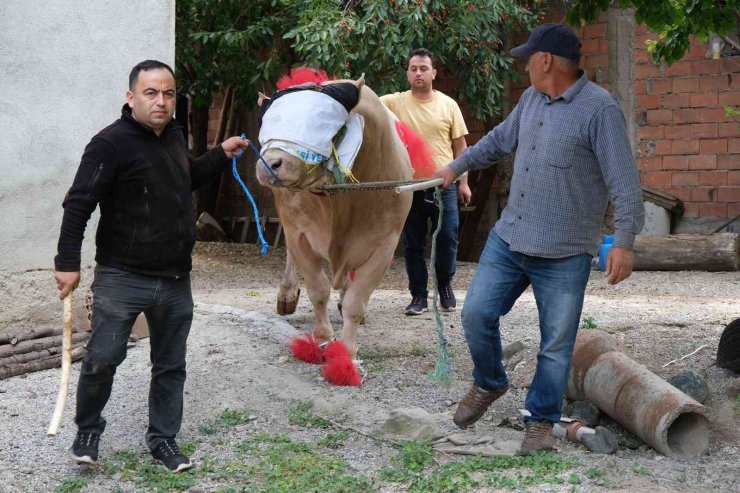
(661, 415)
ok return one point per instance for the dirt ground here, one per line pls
(238, 359)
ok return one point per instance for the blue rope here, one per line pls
(235, 172)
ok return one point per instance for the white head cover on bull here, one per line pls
(314, 123)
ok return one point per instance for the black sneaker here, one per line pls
(447, 298)
(84, 449)
(417, 306)
(168, 453)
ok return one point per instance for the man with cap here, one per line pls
(572, 157)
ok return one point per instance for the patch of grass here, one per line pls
(227, 418)
(642, 470)
(595, 473)
(589, 323)
(147, 475)
(301, 415)
(416, 468)
(71, 485)
(189, 448)
(252, 292)
(333, 440)
(420, 351)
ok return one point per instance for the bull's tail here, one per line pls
(420, 152)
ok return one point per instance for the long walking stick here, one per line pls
(56, 419)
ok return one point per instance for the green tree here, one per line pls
(673, 20)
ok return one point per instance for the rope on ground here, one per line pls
(442, 370)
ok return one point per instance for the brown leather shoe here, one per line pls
(538, 436)
(474, 404)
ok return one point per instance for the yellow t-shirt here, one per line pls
(438, 120)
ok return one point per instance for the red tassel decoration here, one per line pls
(302, 75)
(420, 152)
(339, 368)
(307, 349)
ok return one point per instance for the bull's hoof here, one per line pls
(287, 307)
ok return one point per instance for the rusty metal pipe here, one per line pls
(668, 420)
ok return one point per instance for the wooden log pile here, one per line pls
(26, 350)
(715, 252)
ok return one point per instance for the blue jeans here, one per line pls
(423, 210)
(118, 298)
(559, 285)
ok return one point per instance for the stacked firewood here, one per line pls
(26, 350)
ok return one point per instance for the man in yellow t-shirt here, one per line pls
(438, 119)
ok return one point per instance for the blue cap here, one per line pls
(557, 39)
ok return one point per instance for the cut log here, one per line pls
(16, 359)
(712, 253)
(42, 364)
(19, 335)
(39, 344)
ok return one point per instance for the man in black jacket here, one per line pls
(140, 173)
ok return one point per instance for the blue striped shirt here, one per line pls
(572, 157)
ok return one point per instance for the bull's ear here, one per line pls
(261, 99)
(361, 81)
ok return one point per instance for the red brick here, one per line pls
(589, 46)
(709, 146)
(713, 177)
(679, 179)
(594, 61)
(728, 194)
(733, 210)
(640, 56)
(645, 71)
(703, 194)
(729, 98)
(678, 69)
(682, 193)
(690, 209)
(656, 178)
(733, 177)
(640, 87)
(735, 81)
(663, 147)
(690, 146)
(650, 163)
(675, 162)
(678, 131)
(728, 161)
(603, 45)
(729, 130)
(672, 101)
(703, 161)
(686, 116)
(704, 130)
(686, 84)
(728, 65)
(597, 30)
(713, 210)
(659, 116)
(714, 83)
(649, 102)
(713, 115)
(696, 51)
(651, 132)
(702, 99)
(733, 146)
(660, 86)
(641, 29)
(705, 67)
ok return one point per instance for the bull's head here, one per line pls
(299, 125)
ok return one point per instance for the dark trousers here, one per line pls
(118, 298)
(423, 211)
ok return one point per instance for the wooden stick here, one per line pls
(686, 355)
(56, 419)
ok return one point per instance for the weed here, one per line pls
(333, 440)
(642, 470)
(71, 485)
(227, 418)
(589, 323)
(595, 473)
(189, 448)
(574, 479)
(144, 473)
(420, 351)
(301, 415)
(252, 292)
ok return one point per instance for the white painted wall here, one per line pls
(64, 68)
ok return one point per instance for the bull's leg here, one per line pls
(317, 285)
(289, 291)
(357, 295)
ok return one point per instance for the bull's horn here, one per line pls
(361, 81)
(261, 98)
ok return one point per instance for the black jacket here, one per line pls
(144, 185)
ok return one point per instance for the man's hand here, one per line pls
(618, 265)
(232, 145)
(447, 174)
(66, 282)
(463, 193)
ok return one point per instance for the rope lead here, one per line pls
(442, 370)
(235, 172)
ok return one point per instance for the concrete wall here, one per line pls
(64, 72)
